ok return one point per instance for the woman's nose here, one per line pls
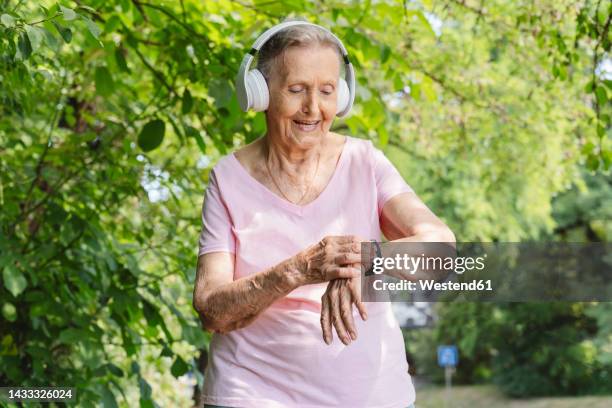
(310, 102)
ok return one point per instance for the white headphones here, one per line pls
(252, 88)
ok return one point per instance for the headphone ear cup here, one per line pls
(258, 93)
(344, 96)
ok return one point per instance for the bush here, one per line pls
(527, 349)
(546, 349)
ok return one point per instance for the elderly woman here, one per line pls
(278, 267)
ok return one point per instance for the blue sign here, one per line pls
(448, 356)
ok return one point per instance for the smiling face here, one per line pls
(303, 95)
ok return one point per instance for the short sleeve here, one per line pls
(216, 234)
(389, 181)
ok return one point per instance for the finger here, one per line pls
(355, 292)
(347, 239)
(344, 272)
(326, 320)
(348, 258)
(354, 247)
(346, 311)
(337, 318)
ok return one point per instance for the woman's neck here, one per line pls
(290, 158)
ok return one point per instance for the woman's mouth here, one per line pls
(306, 125)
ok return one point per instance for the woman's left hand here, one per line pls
(337, 309)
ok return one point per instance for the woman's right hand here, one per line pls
(332, 258)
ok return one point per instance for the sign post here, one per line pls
(448, 357)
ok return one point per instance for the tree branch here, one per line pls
(155, 72)
(173, 17)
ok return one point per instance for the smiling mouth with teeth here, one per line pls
(307, 125)
(307, 122)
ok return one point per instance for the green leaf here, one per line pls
(7, 346)
(176, 128)
(398, 82)
(131, 40)
(607, 158)
(194, 335)
(90, 9)
(415, 91)
(190, 131)
(108, 398)
(221, 90)
(259, 124)
(187, 102)
(65, 32)
(128, 344)
(69, 14)
(385, 53)
(7, 20)
(383, 136)
(166, 352)
(179, 367)
(152, 135)
(112, 23)
(24, 48)
(421, 17)
(120, 60)
(592, 162)
(151, 314)
(555, 70)
(145, 388)
(428, 89)
(601, 131)
(14, 281)
(50, 39)
(35, 35)
(72, 335)
(9, 312)
(602, 96)
(146, 403)
(588, 148)
(113, 369)
(104, 81)
(93, 28)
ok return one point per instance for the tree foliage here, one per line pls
(528, 349)
(533, 349)
(113, 111)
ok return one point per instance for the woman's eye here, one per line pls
(295, 90)
(326, 92)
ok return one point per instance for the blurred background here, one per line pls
(112, 113)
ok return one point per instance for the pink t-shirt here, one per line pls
(280, 359)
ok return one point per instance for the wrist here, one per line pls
(293, 272)
(372, 251)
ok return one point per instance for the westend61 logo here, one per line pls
(412, 264)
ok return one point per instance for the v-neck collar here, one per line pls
(288, 205)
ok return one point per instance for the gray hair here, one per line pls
(294, 36)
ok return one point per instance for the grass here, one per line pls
(487, 396)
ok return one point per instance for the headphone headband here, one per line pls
(271, 31)
(244, 97)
